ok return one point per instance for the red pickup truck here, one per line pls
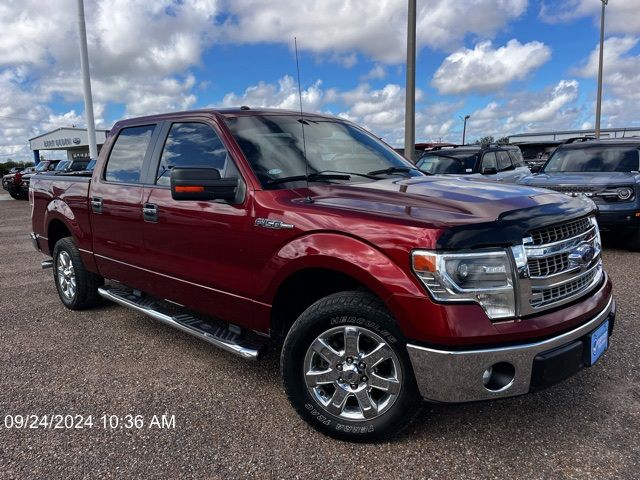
(384, 285)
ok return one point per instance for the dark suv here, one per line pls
(607, 171)
(502, 163)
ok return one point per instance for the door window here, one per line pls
(127, 155)
(489, 161)
(504, 162)
(516, 158)
(193, 145)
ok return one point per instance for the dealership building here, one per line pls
(561, 135)
(75, 141)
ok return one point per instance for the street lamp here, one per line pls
(464, 130)
(599, 99)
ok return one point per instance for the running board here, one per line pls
(220, 336)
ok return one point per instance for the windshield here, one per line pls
(273, 145)
(42, 166)
(62, 166)
(594, 159)
(450, 162)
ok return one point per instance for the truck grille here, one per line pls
(546, 296)
(557, 233)
(543, 267)
(561, 263)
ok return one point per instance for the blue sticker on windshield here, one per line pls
(275, 171)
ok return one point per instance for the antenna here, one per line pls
(304, 141)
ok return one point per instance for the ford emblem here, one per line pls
(582, 255)
(76, 141)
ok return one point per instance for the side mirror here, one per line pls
(201, 184)
(489, 170)
(535, 168)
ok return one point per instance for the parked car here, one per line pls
(502, 163)
(67, 166)
(535, 154)
(384, 285)
(17, 184)
(607, 172)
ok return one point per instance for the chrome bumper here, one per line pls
(457, 376)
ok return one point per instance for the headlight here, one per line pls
(485, 278)
(625, 193)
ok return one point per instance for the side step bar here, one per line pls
(219, 336)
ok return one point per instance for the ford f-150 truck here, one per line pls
(383, 285)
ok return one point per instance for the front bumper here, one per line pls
(457, 376)
(615, 220)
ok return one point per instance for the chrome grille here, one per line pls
(571, 188)
(556, 233)
(545, 296)
(543, 267)
(557, 264)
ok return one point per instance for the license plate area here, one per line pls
(597, 342)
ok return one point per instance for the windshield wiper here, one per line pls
(312, 177)
(365, 175)
(390, 170)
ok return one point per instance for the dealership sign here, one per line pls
(61, 142)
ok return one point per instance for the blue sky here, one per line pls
(513, 65)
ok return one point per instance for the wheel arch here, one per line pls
(312, 267)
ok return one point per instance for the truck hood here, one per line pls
(582, 178)
(438, 201)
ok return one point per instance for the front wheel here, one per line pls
(346, 369)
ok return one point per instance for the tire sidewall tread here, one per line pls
(87, 283)
(348, 308)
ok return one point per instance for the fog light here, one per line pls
(498, 377)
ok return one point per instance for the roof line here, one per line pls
(67, 128)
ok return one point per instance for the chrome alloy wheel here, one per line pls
(352, 373)
(66, 275)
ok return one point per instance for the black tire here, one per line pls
(15, 196)
(86, 282)
(368, 314)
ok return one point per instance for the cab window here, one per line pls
(504, 162)
(193, 145)
(516, 157)
(489, 161)
(127, 155)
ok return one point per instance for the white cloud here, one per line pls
(622, 16)
(553, 108)
(376, 73)
(621, 78)
(487, 69)
(284, 95)
(564, 93)
(377, 28)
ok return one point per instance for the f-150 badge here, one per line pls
(273, 224)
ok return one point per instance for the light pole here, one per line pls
(599, 99)
(410, 88)
(86, 82)
(464, 129)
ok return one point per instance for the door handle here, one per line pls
(150, 212)
(96, 204)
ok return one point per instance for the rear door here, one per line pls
(198, 251)
(115, 200)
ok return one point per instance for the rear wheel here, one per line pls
(77, 287)
(346, 370)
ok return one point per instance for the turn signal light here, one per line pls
(189, 188)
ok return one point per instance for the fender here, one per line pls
(57, 209)
(347, 255)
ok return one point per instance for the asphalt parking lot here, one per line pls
(232, 419)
